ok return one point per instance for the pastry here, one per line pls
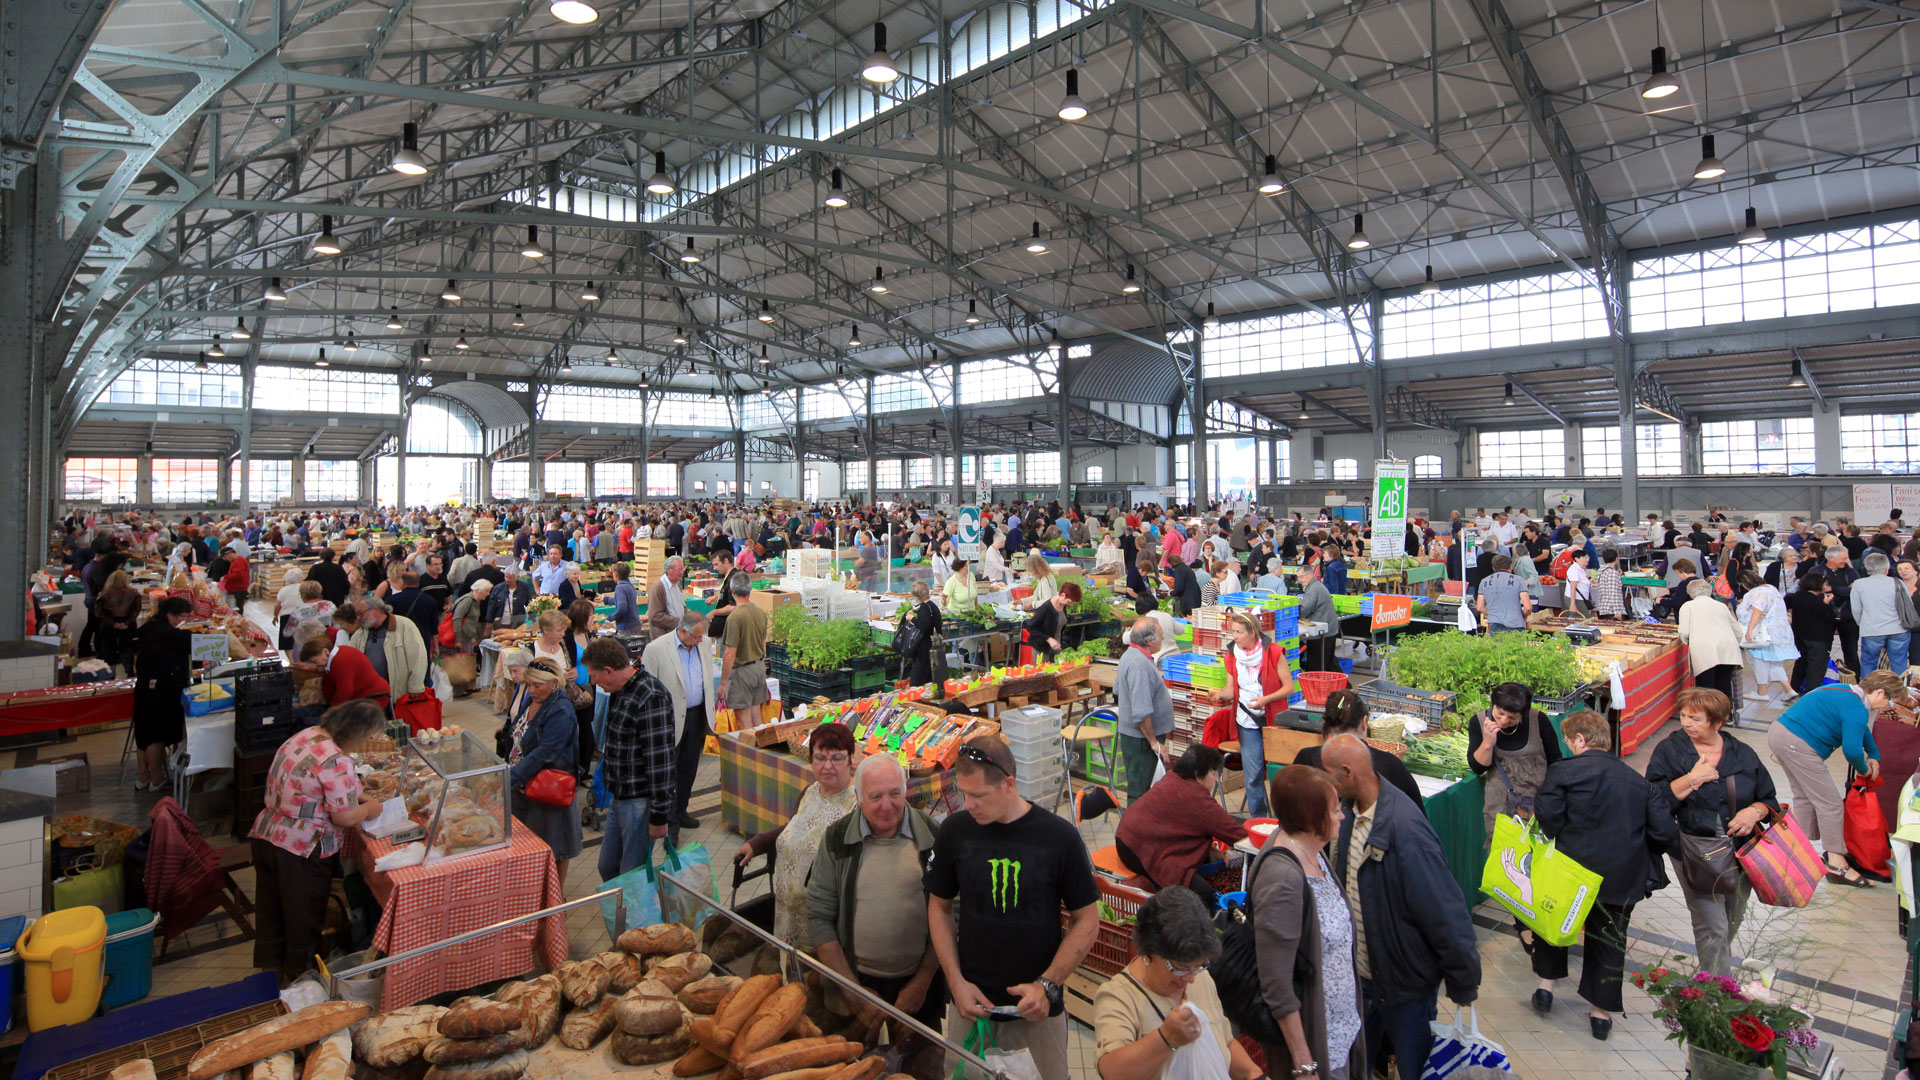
(740, 1006)
(539, 1003)
(584, 981)
(296, 1029)
(623, 971)
(770, 1021)
(798, 1054)
(142, 1069)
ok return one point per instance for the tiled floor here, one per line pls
(1842, 955)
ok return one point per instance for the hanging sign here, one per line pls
(967, 544)
(1872, 504)
(1390, 509)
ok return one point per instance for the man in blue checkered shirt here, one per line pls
(638, 751)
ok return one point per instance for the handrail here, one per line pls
(620, 919)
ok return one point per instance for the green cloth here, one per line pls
(1459, 821)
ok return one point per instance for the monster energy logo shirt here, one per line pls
(1010, 883)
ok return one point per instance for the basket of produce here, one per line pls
(1113, 943)
(1397, 749)
(1316, 686)
(1072, 675)
(1384, 696)
(1442, 754)
(1386, 729)
(1023, 681)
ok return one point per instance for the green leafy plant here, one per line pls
(1738, 1021)
(826, 646)
(1471, 666)
(1094, 600)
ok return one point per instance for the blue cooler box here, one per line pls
(128, 962)
(11, 928)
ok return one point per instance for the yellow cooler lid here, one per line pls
(79, 929)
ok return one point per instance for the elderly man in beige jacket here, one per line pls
(683, 662)
(666, 600)
(393, 646)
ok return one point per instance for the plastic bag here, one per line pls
(650, 900)
(1544, 888)
(1460, 1046)
(1468, 624)
(1200, 1059)
(1012, 1064)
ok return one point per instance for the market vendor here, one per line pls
(1167, 834)
(1259, 685)
(1048, 624)
(1346, 713)
(926, 618)
(1042, 580)
(1514, 742)
(312, 794)
(828, 799)
(961, 591)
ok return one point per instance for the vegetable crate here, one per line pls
(1384, 696)
(1113, 943)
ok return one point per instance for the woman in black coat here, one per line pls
(162, 669)
(1810, 611)
(1186, 589)
(926, 618)
(1607, 818)
(1048, 624)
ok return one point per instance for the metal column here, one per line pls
(646, 449)
(873, 461)
(959, 453)
(739, 449)
(1066, 445)
(1377, 384)
(799, 443)
(246, 422)
(536, 475)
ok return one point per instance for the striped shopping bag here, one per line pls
(1781, 863)
(1460, 1052)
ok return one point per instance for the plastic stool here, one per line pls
(1098, 749)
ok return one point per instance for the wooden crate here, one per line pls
(169, 1052)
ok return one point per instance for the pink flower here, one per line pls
(1705, 976)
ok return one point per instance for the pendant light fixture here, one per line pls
(613, 357)
(393, 319)
(462, 344)
(973, 312)
(1710, 167)
(566, 364)
(836, 191)
(1358, 241)
(763, 354)
(350, 344)
(766, 311)
(679, 335)
(217, 350)
(451, 294)
(879, 280)
(879, 66)
(589, 294)
(1270, 183)
(1304, 415)
(1798, 376)
(576, 12)
(853, 340)
(272, 292)
(1036, 245)
(532, 249)
(407, 160)
(426, 353)
(201, 364)
(326, 243)
(1212, 321)
(1429, 286)
(1507, 399)
(690, 255)
(1071, 107)
(519, 317)
(1660, 83)
(322, 361)
(1753, 233)
(239, 331)
(1132, 284)
(660, 183)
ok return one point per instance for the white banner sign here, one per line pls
(1872, 504)
(967, 544)
(1390, 508)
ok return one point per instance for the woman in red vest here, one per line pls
(1258, 687)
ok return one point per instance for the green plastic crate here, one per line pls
(1347, 603)
(1211, 676)
(1082, 553)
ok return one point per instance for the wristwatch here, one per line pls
(1052, 989)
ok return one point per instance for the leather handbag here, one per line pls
(1707, 863)
(1236, 972)
(552, 787)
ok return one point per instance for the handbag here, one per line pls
(445, 635)
(1706, 862)
(1909, 612)
(907, 637)
(552, 787)
(420, 711)
(1781, 863)
(1236, 972)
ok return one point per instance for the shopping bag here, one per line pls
(1200, 1059)
(1468, 624)
(1543, 887)
(419, 711)
(639, 892)
(1866, 826)
(1011, 1064)
(1781, 863)
(461, 669)
(690, 906)
(1460, 1046)
(91, 884)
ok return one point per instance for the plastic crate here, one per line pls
(128, 963)
(208, 697)
(1043, 784)
(1035, 746)
(1113, 942)
(11, 928)
(1384, 696)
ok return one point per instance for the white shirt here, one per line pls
(1249, 682)
(1579, 583)
(1505, 534)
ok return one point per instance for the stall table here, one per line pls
(760, 787)
(25, 712)
(425, 904)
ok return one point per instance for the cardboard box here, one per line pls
(72, 774)
(772, 600)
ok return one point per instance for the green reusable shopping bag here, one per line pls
(1546, 890)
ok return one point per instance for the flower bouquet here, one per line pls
(1731, 1029)
(540, 605)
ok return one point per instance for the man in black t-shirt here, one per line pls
(1012, 867)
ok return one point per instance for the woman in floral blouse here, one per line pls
(312, 794)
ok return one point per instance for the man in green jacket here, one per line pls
(867, 874)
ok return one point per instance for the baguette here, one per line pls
(396, 1038)
(142, 1069)
(730, 1072)
(648, 1016)
(774, 1017)
(623, 971)
(292, 1031)
(330, 1059)
(740, 1006)
(277, 1067)
(584, 982)
(799, 1054)
(702, 1032)
(680, 970)
(804, 1028)
(584, 1028)
(446, 1051)
(507, 1067)
(660, 939)
(478, 1017)
(864, 1069)
(820, 1073)
(705, 994)
(649, 1049)
(697, 1060)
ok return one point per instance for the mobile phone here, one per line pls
(1004, 1012)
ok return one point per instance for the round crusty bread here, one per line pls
(660, 939)
(505, 1067)
(648, 1016)
(703, 995)
(677, 971)
(392, 1039)
(623, 970)
(445, 1051)
(650, 1049)
(477, 1018)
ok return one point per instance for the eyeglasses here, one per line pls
(981, 757)
(1183, 973)
(832, 759)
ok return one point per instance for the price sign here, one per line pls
(209, 648)
(968, 539)
(1391, 611)
(1390, 509)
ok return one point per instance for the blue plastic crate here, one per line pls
(128, 960)
(198, 704)
(11, 928)
(1346, 665)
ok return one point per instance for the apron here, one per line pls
(1516, 776)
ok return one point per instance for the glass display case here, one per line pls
(456, 790)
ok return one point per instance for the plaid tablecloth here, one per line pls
(425, 904)
(760, 787)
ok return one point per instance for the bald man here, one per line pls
(1385, 856)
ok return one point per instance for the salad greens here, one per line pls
(1471, 666)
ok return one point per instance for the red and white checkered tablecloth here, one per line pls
(426, 904)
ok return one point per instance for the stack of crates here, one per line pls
(263, 710)
(1278, 615)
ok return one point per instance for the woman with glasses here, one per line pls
(828, 799)
(1141, 1017)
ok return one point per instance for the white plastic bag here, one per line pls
(1200, 1059)
(1618, 687)
(1468, 624)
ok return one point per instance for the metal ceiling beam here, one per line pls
(43, 47)
(1651, 394)
(1415, 409)
(1813, 385)
(1556, 414)
(1356, 421)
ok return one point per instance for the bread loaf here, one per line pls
(445, 1051)
(412, 1070)
(389, 1040)
(819, 1073)
(277, 1067)
(142, 1069)
(798, 1054)
(478, 1017)
(292, 1031)
(696, 1061)
(584, 982)
(770, 1022)
(507, 1067)
(740, 1006)
(864, 1069)
(539, 1003)
(804, 1028)
(623, 971)
(331, 1059)
(702, 1031)
(729, 1072)
(584, 1028)
(648, 1049)
(648, 1016)
(679, 970)
(704, 995)
(660, 939)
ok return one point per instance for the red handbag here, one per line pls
(551, 786)
(421, 710)
(1866, 827)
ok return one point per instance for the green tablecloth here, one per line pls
(1458, 818)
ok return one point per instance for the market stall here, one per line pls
(761, 785)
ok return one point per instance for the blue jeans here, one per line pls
(1894, 645)
(1406, 1028)
(624, 844)
(1253, 764)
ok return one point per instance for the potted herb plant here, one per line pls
(1732, 1030)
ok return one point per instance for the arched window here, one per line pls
(1346, 468)
(442, 426)
(1096, 474)
(1426, 467)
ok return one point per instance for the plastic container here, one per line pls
(1044, 784)
(208, 697)
(62, 952)
(11, 928)
(1034, 745)
(129, 957)
(1029, 720)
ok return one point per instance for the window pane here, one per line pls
(1758, 446)
(441, 426)
(292, 389)
(663, 479)
(332, 481)
(174, 382)
(1882, 442)
(107, 480)
(1533, 452)
(1300, 339)
(1842, 270)
(187, 480)
(510, 480)
(565, 477)
(613, 478)
(1530, 311)
(1426, 467)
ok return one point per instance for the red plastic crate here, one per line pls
(1113, 944)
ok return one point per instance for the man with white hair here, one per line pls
(507, 603)
(683, 662)
(393, 646)
(866, 906)
(666, 600)
(1875, 606)
(1143, 707)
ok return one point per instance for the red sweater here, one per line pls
(350, 676)
(1170, 828)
